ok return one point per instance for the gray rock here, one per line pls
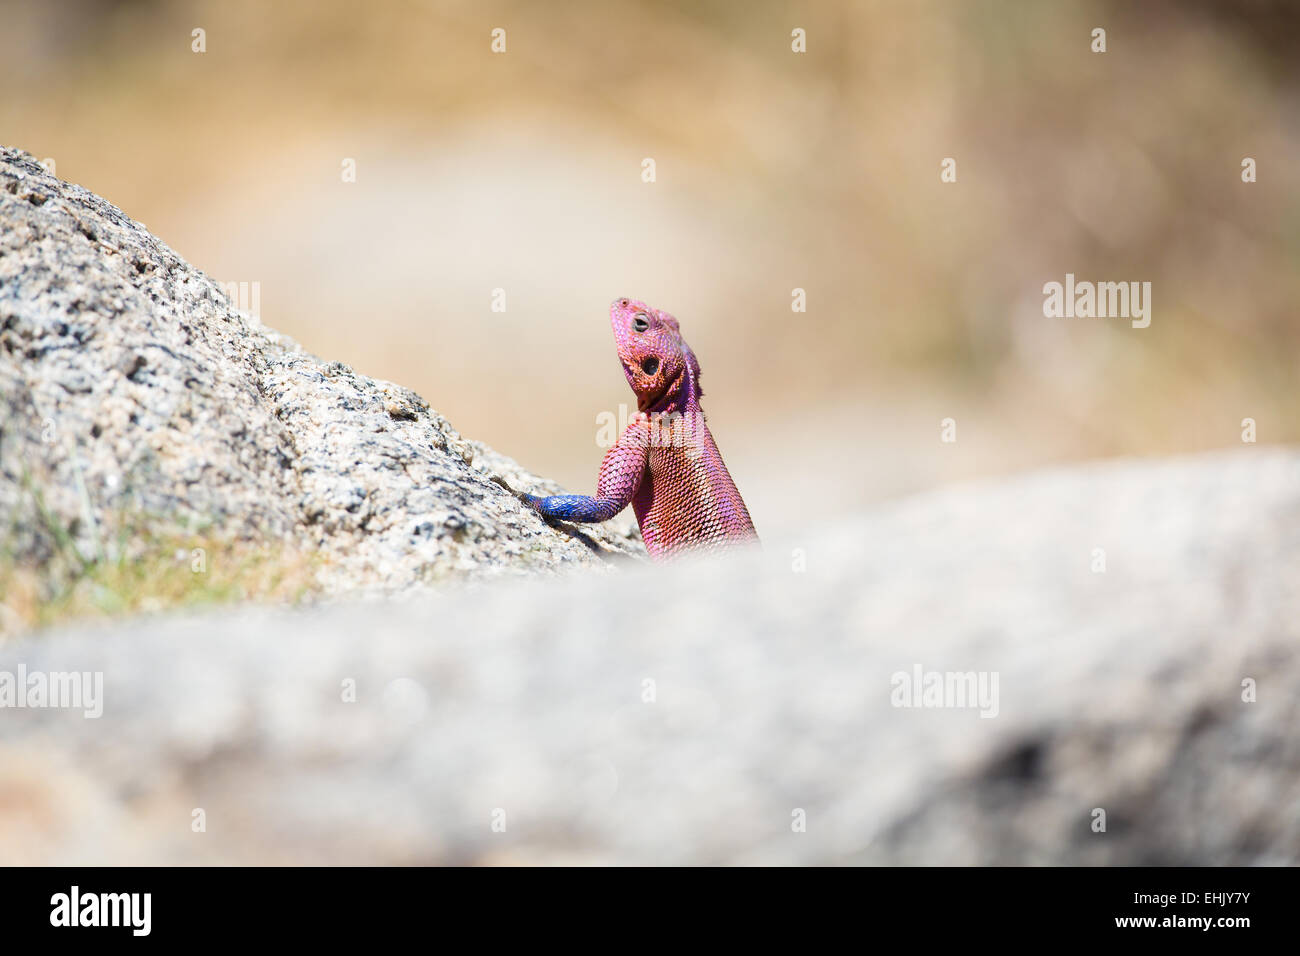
(774, 686)
(133, 394)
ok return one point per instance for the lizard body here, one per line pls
(666, 463)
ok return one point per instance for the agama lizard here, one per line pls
(665, 463)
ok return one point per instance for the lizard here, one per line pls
(665, 463)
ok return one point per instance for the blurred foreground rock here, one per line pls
(134, 397)
(693, 713)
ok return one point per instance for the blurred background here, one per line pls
(522, 171)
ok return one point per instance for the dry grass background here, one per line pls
(775, 171)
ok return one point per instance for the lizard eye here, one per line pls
(639, 322)
(650, 365)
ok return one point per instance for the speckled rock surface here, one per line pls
(129, 386)
(698, 713)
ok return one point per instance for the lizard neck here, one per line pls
(682, 396)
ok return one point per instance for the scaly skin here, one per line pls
(665, 463)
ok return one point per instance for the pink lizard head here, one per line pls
(658, 364)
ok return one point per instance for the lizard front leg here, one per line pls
(620, 475)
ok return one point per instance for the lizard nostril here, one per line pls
(650, 365)
(624, 303)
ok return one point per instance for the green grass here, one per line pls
(154, 574)
(130, 567)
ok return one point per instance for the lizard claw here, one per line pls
(523, 496)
